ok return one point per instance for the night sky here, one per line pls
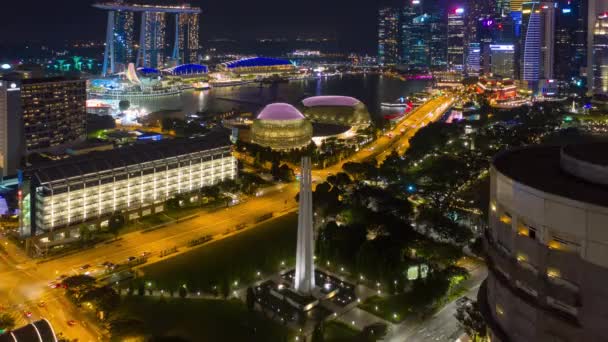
(351, 22)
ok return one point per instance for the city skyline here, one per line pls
(242, 20)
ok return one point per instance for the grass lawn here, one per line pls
(416, 303)
(202, 320)
(339, 332)
(237, 258)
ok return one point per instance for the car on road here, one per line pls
(85, 266)
(27, 314)
(145, 254)
(71, 322)
(61, 277)
(42, 304)
(131, 258)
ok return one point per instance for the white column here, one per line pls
(304, 280)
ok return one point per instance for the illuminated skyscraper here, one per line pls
(124, 33)
(600, 55)
(188, 33)
(473, 65)
(548, 39)
(456, 39)
(388, 36)
(153, 43)
(596, 9)
(152, 40)
(570, 40)
(503, 60)
(11, 127)
(531, 43)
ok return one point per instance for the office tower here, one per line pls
(600, 55)
(409, 35)
(546, 245)
(531, 43)
(188, 33)
(388, 36)
(420, 38)
(438, 44)
(596, 8)
(502, 58)
(570, 40)
(11, 127)
(473, 64)
(456, 39)
(54, 112)
(548, 39)
(152, 45)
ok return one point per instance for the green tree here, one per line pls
(122, 328)
(105, 298)
(7, 321)
(374, 332)
(124, 105)
(85, 233)
(116, 222)
(182, 292)
(318, 335)
(469, 317)
(250, 298)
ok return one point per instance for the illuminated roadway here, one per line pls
(24, 282)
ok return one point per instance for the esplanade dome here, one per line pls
(281, 126)
(337, 110)
(280, 111)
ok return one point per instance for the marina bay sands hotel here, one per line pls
(154, 43)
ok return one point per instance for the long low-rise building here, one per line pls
(132, 181)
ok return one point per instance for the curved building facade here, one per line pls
(337, 110)
(258, 65)
(547, 245)
(281, 126)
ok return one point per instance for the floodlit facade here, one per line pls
(54, 112)
(281, 126)
(258, 65)
(337, 110)
(134, 181)
(547, 245)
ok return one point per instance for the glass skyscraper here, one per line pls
(456, 39)
(388, 36)
(600, 55)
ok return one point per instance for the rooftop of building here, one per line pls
(256, 62)
(125, 156)
(330, 101)
(39, 331)
(54, 79)
(280, 111)
(540, 167)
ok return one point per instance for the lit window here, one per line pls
(499, 310)
(525, 230)
(553, 272)
(505, 218)
(522, 257)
